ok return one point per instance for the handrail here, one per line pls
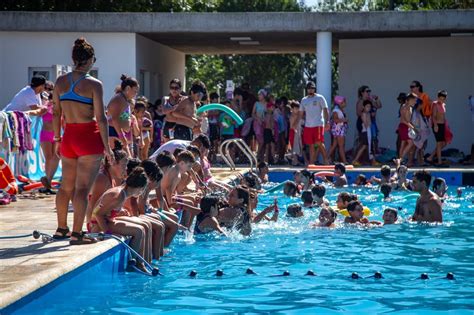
(224, 152)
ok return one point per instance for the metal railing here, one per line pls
(224, 152)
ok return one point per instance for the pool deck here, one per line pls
(27, 264)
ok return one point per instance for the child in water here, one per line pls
(307, 199)
(340, 179)
(318, 191)
(294, 211)
(390, 216)
(327, 217)
(356, 214)
(386, 189)
(206, 220)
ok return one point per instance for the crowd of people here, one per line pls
(127, 166)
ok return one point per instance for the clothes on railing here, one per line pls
(15, 132)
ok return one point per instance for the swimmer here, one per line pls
(386, 189)
(263, 172)
(303, 179)
(290, 189)
(343, 200)
(428, 206)
(440, 188)
(206, 220)
(294, 211)
(401, 181)
(356, 214)
(263, 214)
(390, 216)
(386, 177)
(307, 198)
(361, 180)
(327, 217)
(340, 179)
(237, 213)
(318, 191)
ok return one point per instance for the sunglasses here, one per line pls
(368, 91)
(412, 86)
(174, 87)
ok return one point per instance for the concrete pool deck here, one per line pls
(27, 264)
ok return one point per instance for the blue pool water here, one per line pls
(401, 252)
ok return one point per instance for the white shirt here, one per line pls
(23, 100)
(313, 106)
(170, 146)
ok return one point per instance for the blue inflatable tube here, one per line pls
(229, 111)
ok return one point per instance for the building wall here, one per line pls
(19, 50)
(156, 65)
(388, 66)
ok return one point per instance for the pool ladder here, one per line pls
(224, 152)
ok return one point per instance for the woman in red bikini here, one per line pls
(78, 101)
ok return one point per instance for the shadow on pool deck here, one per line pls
(26, 264)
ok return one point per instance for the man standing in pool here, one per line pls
(428, 206)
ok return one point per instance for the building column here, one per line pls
(323, 65)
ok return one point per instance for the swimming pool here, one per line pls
(401, 252)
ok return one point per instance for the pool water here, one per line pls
(400, 252)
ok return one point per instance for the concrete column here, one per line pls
(323, 65)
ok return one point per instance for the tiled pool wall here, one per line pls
(107, 265)
(452, 178)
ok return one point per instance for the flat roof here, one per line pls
(277, 32)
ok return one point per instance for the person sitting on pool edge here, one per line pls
(356, 214)
(294, 211)
(340, 179)
(307, 198)
(440, 188)
(263, 172)
(290, 189)
(318, 191)
(327, 217)
(386, 189)
(428, 206)
(390, 216)
(386, 177)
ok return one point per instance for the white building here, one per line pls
(384, 50)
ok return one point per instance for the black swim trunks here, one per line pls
(440, 135)
(182, 132)
(268, 136)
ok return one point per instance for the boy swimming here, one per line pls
(390, 216)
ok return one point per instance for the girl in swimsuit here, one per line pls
(206, 221)
(237, 214)
(47, 143)
(110, 175)
(108, 213)
(77, 100)
(145, 127)
(119, 112)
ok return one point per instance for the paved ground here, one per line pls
(27, 264)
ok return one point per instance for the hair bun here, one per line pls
(123, 77)
(80, 41)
